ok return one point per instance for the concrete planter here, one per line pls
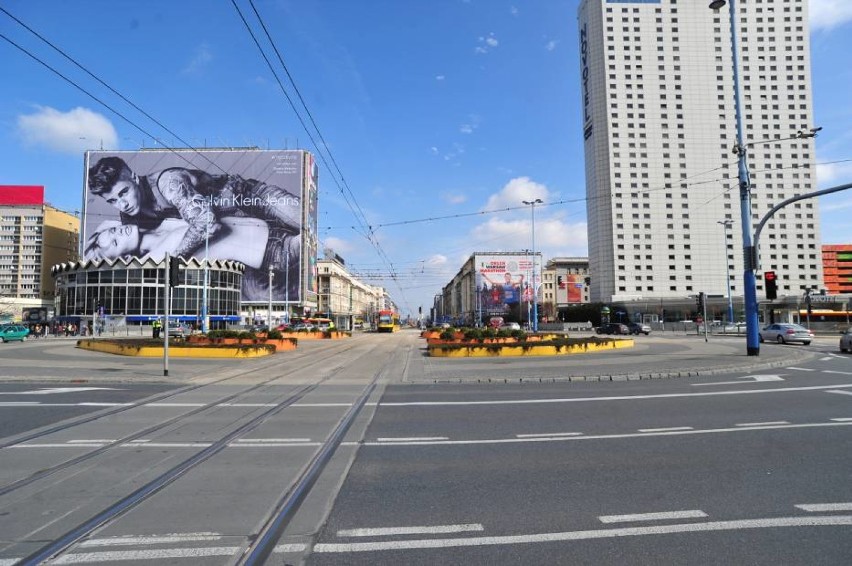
(542, 348)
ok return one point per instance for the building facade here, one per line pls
(659, 128)
(566, 282)
(492, 284)
(33, 237)
(131, 292)
(837, 268)
(345, 299)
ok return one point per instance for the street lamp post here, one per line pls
(749, 253)
(727, 224)
(531, 204)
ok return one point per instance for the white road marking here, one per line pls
(257, 440)
(843, 420)
(54, 390)
(610, 398)
(390, 531)
(247, 405)
(9, 561)
(800, 369)
(150, 554)
(825, 359)
(546, 434)
(824, 507)
(769, 423)
(841, 392)
(754, 378)
(781, 522)
(18, 403)
(293, 547)
(412, 439)
(595, 437)
(150, 539)
(93, 440)
(168, 445)
(322, 404)
(273, 445)
(174, 405)
(660, 516)
(91, 404)
(837, 372)
(669, 429)
(49, 445)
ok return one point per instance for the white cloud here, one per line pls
(436, 260)
(466, 128)
(486, 43)
(551, 45)
(434, 150)
(830, 173)
(202, 57)
(828, 14)
(440, 77)
(74, 131)
(512, 231)
(338, 245)
(515, 191)
(513, 10)
(454, 198)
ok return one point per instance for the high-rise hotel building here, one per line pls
(659, 127)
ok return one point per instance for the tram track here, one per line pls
(110, 514)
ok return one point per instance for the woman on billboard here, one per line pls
(269, 250)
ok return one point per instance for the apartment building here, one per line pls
(344, 298)
(657, 95)
(34, 236)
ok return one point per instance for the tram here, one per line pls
(388, 321)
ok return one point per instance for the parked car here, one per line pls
(14, 332)
(846, 340)
(178, 329)
(512, 326)
(613, 328)
(638, 327)
(784, 333)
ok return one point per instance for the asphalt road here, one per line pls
(500, 461)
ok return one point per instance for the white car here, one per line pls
(846, 340)
(784, 333)
(512, 326)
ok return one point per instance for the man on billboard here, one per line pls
(201, 199)
(511, 289)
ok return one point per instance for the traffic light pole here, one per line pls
(166, 296)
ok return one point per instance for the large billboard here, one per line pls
(505, 280)
(242, 205)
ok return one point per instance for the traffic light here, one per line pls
(699, 302)
(771, 282)
(174, 272)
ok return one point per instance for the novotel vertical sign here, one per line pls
(584, 61)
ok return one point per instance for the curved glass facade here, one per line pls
(134, 289)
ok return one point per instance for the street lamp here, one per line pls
(749, 253)
(531, 204)
(727, 224)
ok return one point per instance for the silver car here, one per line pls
(784, 333)
(846, 340)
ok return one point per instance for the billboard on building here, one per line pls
(21, 195)
(242, 205)
(505, 280)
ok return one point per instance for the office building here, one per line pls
(345, 299)
(658, 121)
(33, 237)
(837, 267)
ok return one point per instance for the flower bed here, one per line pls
(553, 347)
(150, 348)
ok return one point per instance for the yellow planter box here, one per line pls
(129, 349)
(498, 350)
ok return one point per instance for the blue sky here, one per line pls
(431, 109)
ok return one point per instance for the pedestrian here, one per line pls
(156, 326)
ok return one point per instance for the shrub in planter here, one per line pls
(274, 334)
(448, 334)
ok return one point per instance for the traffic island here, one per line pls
(552, 347)
(149, 348)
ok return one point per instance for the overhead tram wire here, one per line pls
(107, 86)
(362, 220)
(307, 110)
